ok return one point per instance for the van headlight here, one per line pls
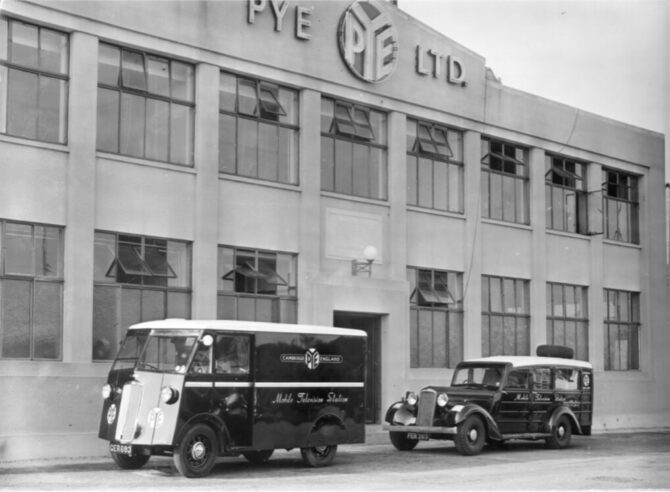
(169, 395)
(411, 398)
(442, 400)
(106, 391)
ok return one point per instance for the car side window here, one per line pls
(232, 354)
(517, 379)
(567, 379)
(541, 378)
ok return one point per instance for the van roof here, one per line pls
(528, 360)
(252, 326)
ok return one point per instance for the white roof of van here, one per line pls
(253, 326)
(529, 360)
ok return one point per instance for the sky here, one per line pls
(609, 57)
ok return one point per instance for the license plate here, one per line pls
(126, 449)
(420, 436)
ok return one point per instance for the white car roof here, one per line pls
(529, 360)
(252, 326)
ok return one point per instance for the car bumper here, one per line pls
(419, 429)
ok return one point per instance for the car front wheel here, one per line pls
(402, 442)
(470, 436)
(560, 434)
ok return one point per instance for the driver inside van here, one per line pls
(232, 354)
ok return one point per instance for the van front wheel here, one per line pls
(130, 462)
(319, 455)
(196, 453)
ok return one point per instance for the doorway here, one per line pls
(371, 324)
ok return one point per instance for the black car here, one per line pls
(496, 399)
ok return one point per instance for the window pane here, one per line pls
(485, 193)
(130, 307)
(51, 110)
(327, 164)
(104, 257)
(226, 307)
(109, 61)
(557, 296)
(157, 130)
(226, 266)
(343, 166)
(455, 193)
(289, 101)
(268, 146)
(440, 341)
(16, 301)
(108, 121)
(153, 305)
(247, 164)
(509, 336)
(412, 178)
(246, 309)
(22, 104)
(53, 51)
(327, 109)
(377, 164)
(440, 185)
(264, 311)
(132, 70)
(48, 252)
(19, 249)
(227, 92)
(179, 258)
(3, 39)
(182, 81)
(509, 199)
(496, 198)
(227, 143)
(247, 100)
(132, 125)
(288, 311)
(158, 76)
(425, 339)
(181, 134)
(24, 44)
(288, 156)
(496, 294)
(361, 171)
(425, 190)
(3, 97)
(179, 305)
(47, 320)
(106, 322)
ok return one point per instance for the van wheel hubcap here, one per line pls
(473, 434)
(198, 451)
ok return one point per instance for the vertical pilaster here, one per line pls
(595, 296)
(80, 209)
(538, 221)
(206, 218)
(309, 259)
(397, 190)
(472, 274)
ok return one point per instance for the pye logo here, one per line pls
(367, 41)
(312, 358)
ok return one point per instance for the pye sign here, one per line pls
(279, 9)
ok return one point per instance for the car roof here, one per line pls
(251, 326)
(529, 360)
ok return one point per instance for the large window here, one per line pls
(434, 166)
(353, 150)
(566, 198)
(505, 316)
(145, 106)
(567, 318)
(620, 206)
(622, 326)
(137, 278)
(33, 81)
(504, 182)
(257, 285)
(31, 291)
(258, 129)
(436, 317)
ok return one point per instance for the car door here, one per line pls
(542, 397)
(514, 411)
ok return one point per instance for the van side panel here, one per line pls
(309, 390)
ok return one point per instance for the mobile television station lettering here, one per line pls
(368, 41)
(311, 358)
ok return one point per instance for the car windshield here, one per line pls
(487, 377)
(167, 353)
(130, 351)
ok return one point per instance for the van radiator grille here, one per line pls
(129, 410)
(426, 412)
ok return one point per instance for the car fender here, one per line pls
(462, 412)
(391, 411)
(558, 413)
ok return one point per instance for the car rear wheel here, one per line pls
(319, 455)
(402, 442)
(130, 462)
(560, 434)
(470, 436)
(196, 453)
(258, 456)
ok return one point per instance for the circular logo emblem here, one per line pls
(312, 358)
(368, 42)
(155, 418)
(586, 381)
(111, 414)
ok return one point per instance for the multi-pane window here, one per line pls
(258, 129)
(620, 206)
(257, 285)
(622, 327)
(566, 198)
(436, 317)
(137, 278)
(31, 291)
(145, 105)
(353, 150)
(504, 182)
(33, 81)
(434, 166)
(505, 316)
(567, 318)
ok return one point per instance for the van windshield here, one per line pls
(167, 353)
(130, 351)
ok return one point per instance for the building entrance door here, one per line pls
(371, 324)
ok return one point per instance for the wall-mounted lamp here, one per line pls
(370, 254)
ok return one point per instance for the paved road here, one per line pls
(603, 462)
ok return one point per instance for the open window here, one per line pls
(352, 121)
(432, 140)
(432, 290)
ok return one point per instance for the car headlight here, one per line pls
(411, 398)
(442, 400)
(169, 395)
(106, 391)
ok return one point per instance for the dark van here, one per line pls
(496, 399)
(197, 390)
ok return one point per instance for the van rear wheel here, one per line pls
(196, 453)
(130, 462)
(319, 455)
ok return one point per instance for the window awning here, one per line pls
(129, 260)
(247, 270)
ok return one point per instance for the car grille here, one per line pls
(426, 412)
